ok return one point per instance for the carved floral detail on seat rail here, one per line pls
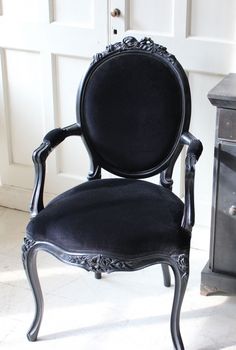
(182, 261)
(102, 263)
(98, 263)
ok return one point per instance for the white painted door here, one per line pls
(202, 35)
(46, 46)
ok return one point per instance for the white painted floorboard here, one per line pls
(121, 311)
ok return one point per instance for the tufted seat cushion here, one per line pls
(113, 216)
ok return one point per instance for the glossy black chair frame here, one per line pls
(107, 263)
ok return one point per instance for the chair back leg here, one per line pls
(29, 256)
(98, 275)
(166, 275)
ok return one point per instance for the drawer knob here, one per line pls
(232, 210)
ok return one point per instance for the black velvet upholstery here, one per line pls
(132, 111)
(117, 216)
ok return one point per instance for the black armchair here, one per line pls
(133, 113)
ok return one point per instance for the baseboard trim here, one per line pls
(18, 198)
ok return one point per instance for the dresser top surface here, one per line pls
(224, 93)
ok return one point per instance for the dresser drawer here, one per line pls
(225, 214)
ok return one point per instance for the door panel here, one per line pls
(79, 13)
(23, 10)
(71, 159)
(150, 18)
(23, 86)
(212, 19)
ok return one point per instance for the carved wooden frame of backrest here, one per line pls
(146, 45)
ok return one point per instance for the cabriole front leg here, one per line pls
(181, 273)
(29, 255)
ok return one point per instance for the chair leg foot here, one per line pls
(29, 258)
(166, 275)
(98, 275)
(32, 336)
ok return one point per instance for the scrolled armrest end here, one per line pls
(196, 148)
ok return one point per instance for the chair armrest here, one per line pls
(50, 141)
(194, 152)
